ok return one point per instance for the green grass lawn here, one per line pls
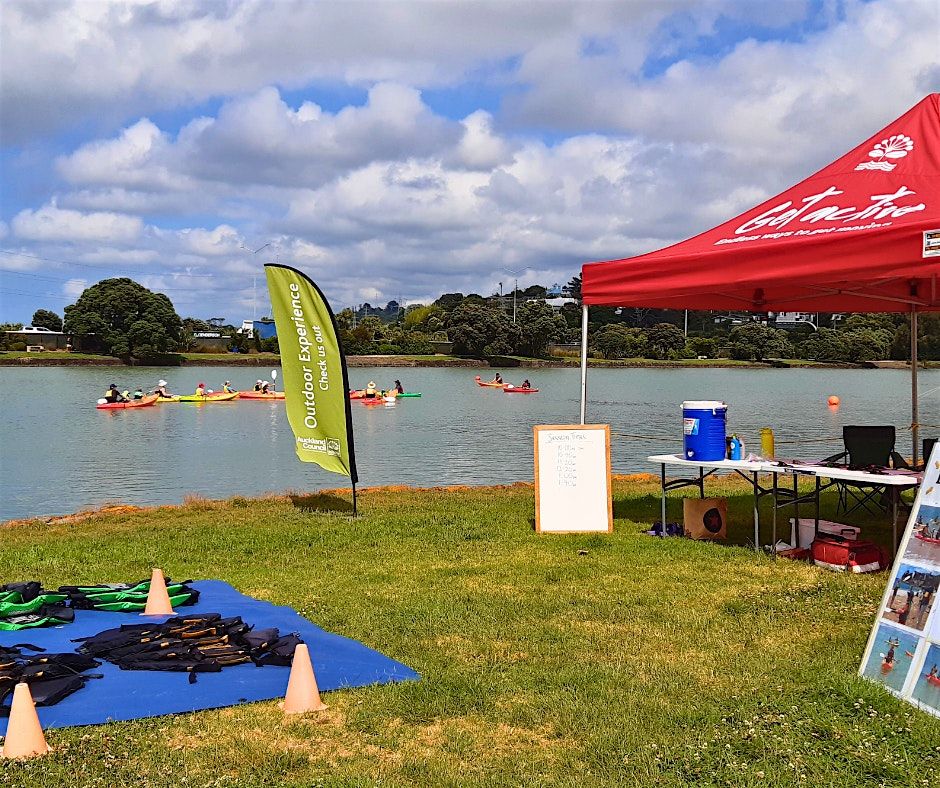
(545, 660)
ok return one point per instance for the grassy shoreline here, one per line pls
(63, 359)
(545, 660)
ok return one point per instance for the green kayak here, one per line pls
(410, 394)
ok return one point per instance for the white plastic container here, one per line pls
(808, 530)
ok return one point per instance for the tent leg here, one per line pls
(584, 350)
(915, 415)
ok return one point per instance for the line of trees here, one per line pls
(122, 318)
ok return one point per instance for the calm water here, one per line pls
(58, 453)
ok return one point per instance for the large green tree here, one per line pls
(539, 325)
(478, 330)
(125, 318)
(44, 318)
(616, 340)
(665, 340)
(754, 342)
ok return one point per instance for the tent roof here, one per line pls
(861, 235)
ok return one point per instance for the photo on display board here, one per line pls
(891, 657)
(913, 596)
(927, 687)
(924, 544)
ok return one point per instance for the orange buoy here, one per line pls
(833, 400)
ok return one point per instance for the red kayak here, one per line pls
(260, 395)
(489, 383)
(134, 403)
(935, 680)
(510, 389)
(920, 535)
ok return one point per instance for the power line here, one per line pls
(68, 279)
(126, 271)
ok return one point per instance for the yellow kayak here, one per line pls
(221, 396)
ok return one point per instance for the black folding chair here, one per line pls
(866, 448)
(927, 444)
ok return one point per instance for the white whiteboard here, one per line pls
(572, 478)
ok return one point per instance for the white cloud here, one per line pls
(51, 223)
(593, 147)
(163, 55)
(73, 288)
(135, 158)
(212, 243)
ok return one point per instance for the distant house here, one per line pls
(791, 319)
(40, 337)
(263, 328)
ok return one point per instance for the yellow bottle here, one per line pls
(767, 443)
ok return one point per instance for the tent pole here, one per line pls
(915, 427)
(584, 348)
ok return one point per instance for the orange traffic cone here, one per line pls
(302, 692)
(158, 600)
(24, 737)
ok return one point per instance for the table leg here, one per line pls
(663, 509)
(894, 521)
(756, 511)
(773, 548)
(796, 501)
(701, 482)
(816, 513)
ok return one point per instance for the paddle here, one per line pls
(273, 380)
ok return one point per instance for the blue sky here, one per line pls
(407, 149)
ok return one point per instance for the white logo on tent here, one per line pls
(894, 147)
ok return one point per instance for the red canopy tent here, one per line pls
(860, 235)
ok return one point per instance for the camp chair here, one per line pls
(866, 447)
(927, 444)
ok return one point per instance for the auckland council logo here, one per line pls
(894, 147)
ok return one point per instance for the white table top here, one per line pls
(909, 479)
(731, 465)
(893, 479)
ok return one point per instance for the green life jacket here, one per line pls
(187, 597)
(101, 596)
(46, 616)
(15, 606)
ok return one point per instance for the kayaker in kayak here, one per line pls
(497, 379)
(526, 384)
(161, 391)
(889, 657)
(138, 394)
(227, 387)
(933, 672)
(258, 384)
(371, 390)
(113, 395)
(201, 390)
(397, 388)
(266, 387)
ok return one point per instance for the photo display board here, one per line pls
(903, 651)
(572, 478)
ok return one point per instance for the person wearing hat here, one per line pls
(161, 391)
(227, 387)
(201, 390)
(371, 391)
(114, 395)
(258, 385)
(397, 388)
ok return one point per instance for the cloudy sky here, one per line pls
(397, 150)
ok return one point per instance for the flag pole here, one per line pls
(355, 513)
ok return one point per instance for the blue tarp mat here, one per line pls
(133, 694)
